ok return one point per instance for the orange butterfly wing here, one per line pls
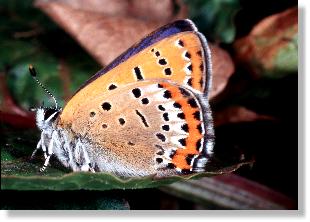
(183, 58)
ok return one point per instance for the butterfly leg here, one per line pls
(87, 165)
(49, 152)
(43, 145)
(36, 149)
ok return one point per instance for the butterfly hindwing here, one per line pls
(151, 128)
(175, 52)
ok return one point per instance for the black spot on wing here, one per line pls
(184, 127)
(166, 117)
(165, 127)
(160, 107)
(197, 115)
(145, 101)
(190, 81)
(190, 67)
(136, 92)
(181, 115)
(181, 43)
(121, 121)
(189, 158)
(112, 86)
(159, 160)
(188, 55)
(172, 153)
(177, 105)
(167, 94)
(142, 118)
(182, 141)
(170, 166)
(162, 62)
(106, 106)
(138, 73)
(167, 71)
(161, 137)
(192, 102)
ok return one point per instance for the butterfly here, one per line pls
(147, 113)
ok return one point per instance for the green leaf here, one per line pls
(22, 174)
(215, 18)
(286, 59)
(6, 156)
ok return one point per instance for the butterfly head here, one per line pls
(45, 116)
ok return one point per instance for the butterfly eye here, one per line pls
(48, 112)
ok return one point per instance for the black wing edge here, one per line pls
(157, 35)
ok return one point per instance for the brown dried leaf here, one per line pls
(222, 68)
(147, 9)
(235, 114)
(270, 49)
(107, 32)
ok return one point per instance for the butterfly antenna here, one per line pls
(33, 73)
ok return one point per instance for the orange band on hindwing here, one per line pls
(192, 116)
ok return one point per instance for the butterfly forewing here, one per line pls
(182, 57)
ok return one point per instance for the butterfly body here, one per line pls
(145, 114)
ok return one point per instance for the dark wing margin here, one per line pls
(206, 154)
(157, 35)
(208, 64)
